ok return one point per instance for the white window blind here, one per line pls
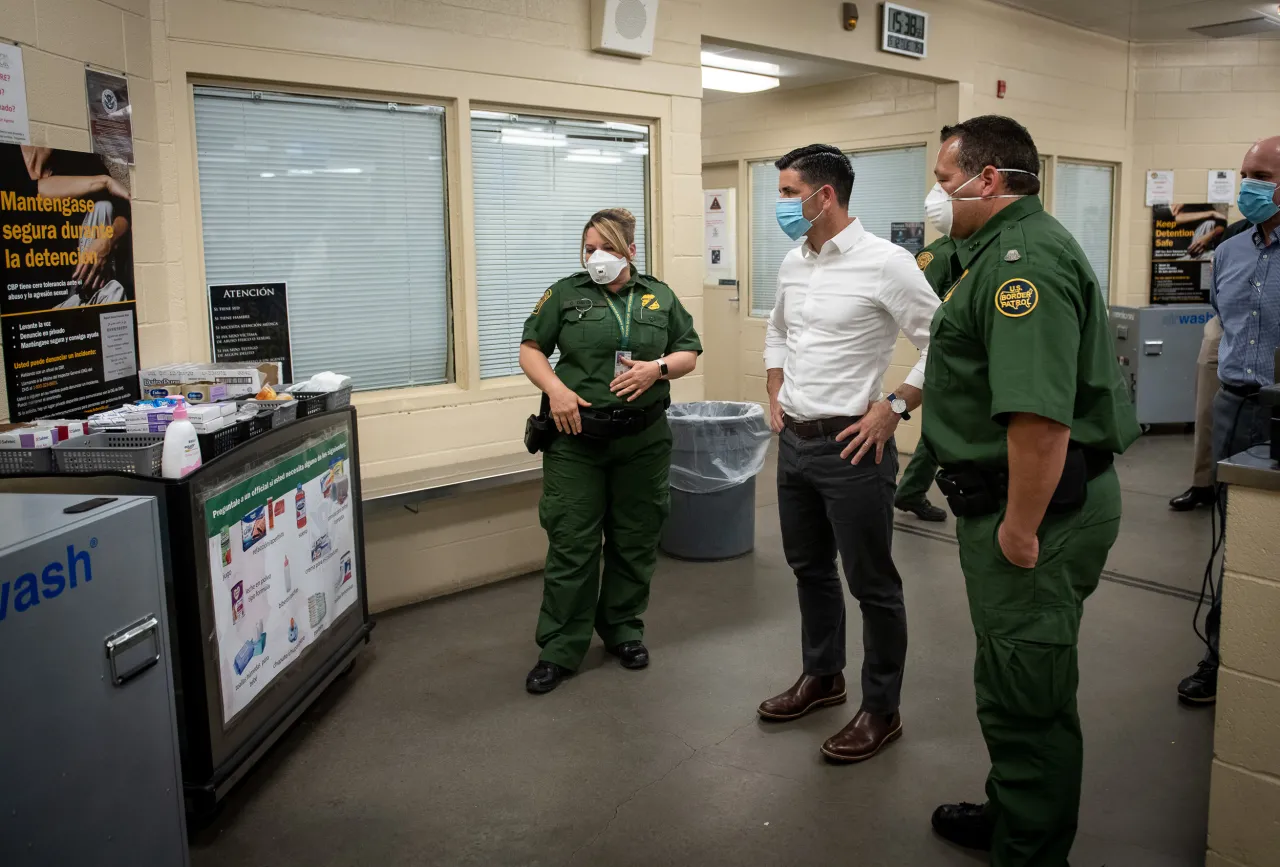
(888, 187)
(344, 200)
(537, 181)
(1082, 202)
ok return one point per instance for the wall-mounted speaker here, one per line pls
(624, 27)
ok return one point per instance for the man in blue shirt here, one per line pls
(1246, 295)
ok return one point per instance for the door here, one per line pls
(721, 306)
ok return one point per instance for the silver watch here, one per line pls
(899, 406)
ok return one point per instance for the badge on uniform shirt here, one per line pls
(537, 308)
(618, 367)
(649, 301)
(1016, 298)
(1012, 256)
(924, 259)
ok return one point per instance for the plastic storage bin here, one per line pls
(138, 454)
(21, 462)
(717, 449)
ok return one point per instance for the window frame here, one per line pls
(1114, 229)
(453, 246)
(652, 245)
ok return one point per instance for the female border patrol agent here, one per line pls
(1027, 410)
(623, 337)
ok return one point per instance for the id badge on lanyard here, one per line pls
(624, 325)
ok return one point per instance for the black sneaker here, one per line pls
(545, 677)
(924, 510)
(1192, 497)
(1201, 688)
(632, 654)
(967, 825)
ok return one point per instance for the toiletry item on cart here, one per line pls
(181, 455)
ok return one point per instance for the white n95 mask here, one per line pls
(938, 207)
(605, 267)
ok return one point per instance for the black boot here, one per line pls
(1201, 688)
(967, 825)
(924, 510)
(1192, 497)
(545, 677)
(632, 654)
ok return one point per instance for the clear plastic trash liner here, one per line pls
(716, 444)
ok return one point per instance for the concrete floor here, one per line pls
(431, 753)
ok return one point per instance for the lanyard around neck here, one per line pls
(624, 322)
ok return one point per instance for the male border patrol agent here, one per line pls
(623, 336)
(913, 489)
(1026, 412)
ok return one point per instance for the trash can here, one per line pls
(717, 449)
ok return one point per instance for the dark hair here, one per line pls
(1001, 142)
(819, 165)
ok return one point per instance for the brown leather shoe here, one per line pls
(864, 736)
(807, 695)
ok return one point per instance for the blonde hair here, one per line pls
(618, 228)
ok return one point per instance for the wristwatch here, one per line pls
(899, 406)
(662, 366)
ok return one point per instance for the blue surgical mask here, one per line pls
(791, 219)
(1257, 200)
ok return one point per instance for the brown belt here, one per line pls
(822, 427)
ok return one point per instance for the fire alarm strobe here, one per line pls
(624, 27)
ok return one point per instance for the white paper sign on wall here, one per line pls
(1222, 187)
(15, 128)
(1159, 188)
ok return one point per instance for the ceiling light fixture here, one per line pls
(725, 61)
(732, 81)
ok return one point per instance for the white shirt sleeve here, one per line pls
(775, 334)
(911, 301)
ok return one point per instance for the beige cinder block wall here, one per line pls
(1244, 797)
(1198, 106)
(529, 55)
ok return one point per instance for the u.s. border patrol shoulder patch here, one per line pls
(1016, 298)
(537, 308)
(924, 259)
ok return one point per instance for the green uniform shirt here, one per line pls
(1022, 329)
(936, 262)
(576, 317)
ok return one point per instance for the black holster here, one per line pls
(973, 490)
(540, 430)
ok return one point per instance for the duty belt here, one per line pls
(612, 424)
(973, 490)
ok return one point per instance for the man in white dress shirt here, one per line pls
(843, 296)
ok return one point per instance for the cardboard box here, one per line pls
(240, 379)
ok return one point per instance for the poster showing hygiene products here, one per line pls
(280, 549)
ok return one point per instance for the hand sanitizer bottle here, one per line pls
(181, 454)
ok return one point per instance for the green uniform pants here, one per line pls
(917, 478)
(1025, 673)
(591, 490)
